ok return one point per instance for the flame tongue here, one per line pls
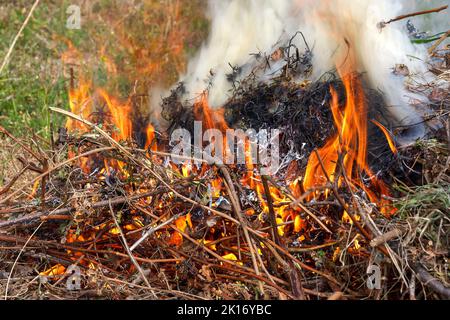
(349, 142)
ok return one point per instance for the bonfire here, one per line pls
(307, 161)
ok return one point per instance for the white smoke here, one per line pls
(242, 27)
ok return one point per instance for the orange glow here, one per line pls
(181, 223)
(80, 104)
(388, 136)
(120, 113)
(299, 224)
(34, 190)
(211, 118)
(56, 270)
(350, 141)
(150, 138)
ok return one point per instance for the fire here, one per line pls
(388, 136)
(349, 142)
(150, 138)
(211, 118)
(120, 113)
(85, 99)
(56, 270)
(181, 223)
(80, 104)
(145, 59)
(214, 118)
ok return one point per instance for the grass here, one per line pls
(27, 88)
(430, 197)
(34, 80)
(434, 194)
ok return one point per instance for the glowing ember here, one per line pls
(181, 223)
(56, 270)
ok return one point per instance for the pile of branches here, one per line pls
(83, 219)
(300, 111)
(137, 228)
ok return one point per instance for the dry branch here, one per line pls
(428, 280)
(383, 24)
(388, 236)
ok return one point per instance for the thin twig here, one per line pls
(382, 239)
(238, 211)
(13, 180)
(272, 217)
(438, 42)
(383, 24)
(62, 164)
(11, 47)
(428, 280)
(45, 215)
(144, 165)
(130, 254)
(150, 231)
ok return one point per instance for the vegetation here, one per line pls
(34, 79)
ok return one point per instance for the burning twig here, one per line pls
(144, 165)
(293, 273)
(298, 203)
(345, 206)
(151, 231)
(238, 211)
(272, 217)
(51, 244)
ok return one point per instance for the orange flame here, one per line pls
(388, 136)
(350, 141)
(181, 223)
(120, 113)
(150, 138)
(211, 118)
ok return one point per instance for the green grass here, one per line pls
(34, 79)
(31, 82)
(25, 104)
(430, 197)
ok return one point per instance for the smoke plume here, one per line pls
(331, 28)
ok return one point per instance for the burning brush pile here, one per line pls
(330, 205)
